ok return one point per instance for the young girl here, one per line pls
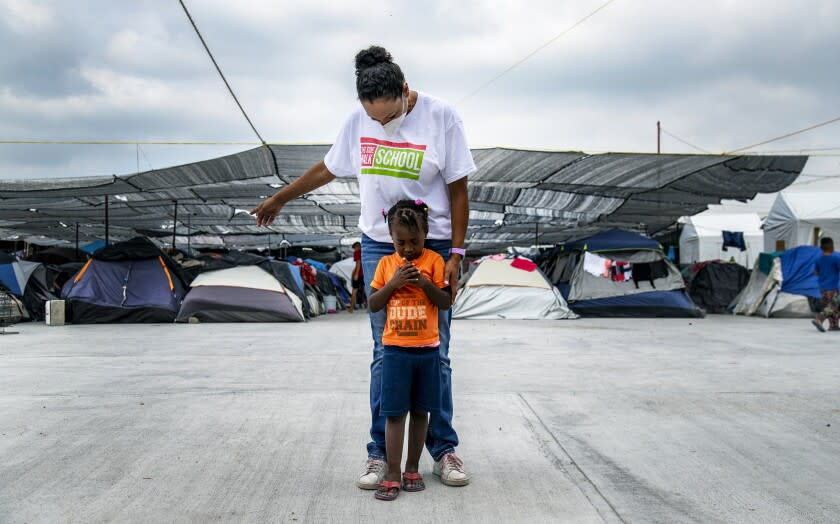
(410, 283)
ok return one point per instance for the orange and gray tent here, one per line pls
(240, 294)
(132, 281)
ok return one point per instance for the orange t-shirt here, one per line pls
(412, 319)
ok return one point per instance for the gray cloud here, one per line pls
(719, 74)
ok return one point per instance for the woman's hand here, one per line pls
(267, 212)
(452, 273)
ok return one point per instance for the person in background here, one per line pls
(828, 271)
(357, 279)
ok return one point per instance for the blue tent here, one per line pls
(614, 240)
(656, 289)
(93, 247)
(798, 266)
(130, 281)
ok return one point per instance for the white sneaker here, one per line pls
(450, 469)
(373, 474)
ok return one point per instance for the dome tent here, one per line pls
(131, 282)
(245, 293)
(619, 274)
(498, 289)
(782, 285)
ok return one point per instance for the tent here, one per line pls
(131, 281)
(619, 274)
(715, 285)
(782, 285)
(28, 282)
(801, 219)
(344, 269)
(701, 238)
(246, 293)
(497, 289)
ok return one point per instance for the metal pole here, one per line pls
(658, 138)
(107, 223)
(77, 240)
(174, 226)
(269, 243)
(537, 236)
(189, 234)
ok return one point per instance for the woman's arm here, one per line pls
(460, 206)
(316, 176)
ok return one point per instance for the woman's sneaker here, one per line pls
(373, 473)
(450, 469)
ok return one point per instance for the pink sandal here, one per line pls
(388, 490)
(413, 481)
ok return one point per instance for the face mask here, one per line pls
(393, 126)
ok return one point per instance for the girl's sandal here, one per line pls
(388, 490)
(413, 481)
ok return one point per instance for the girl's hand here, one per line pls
(406, 274)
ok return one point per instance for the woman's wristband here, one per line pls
(458, 251)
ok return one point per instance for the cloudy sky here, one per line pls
(718, 73)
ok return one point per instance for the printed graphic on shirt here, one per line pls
(395, 159)
(407, 316)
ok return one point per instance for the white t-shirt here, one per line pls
(428, 152)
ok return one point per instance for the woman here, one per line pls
(400, 144)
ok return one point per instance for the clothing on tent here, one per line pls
(596, 265)
(621, 271)
(524, 264)
(734, 239)
(648, 272)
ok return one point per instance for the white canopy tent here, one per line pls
(702, 238)
(801, 219)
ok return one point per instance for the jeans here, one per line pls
(442, 438)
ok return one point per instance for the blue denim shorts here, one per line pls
(410, 380)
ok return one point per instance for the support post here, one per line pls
(658, 138)
(107, 223)
(174, 226)
(189, 234)
(77, 240)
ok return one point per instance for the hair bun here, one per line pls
(372, 56)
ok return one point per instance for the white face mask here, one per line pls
(393, 126)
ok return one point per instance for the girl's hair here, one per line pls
(413, 214)
(377, 76)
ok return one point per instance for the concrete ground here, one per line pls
(617, 420)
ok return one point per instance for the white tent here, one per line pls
(801, 219)
(702, 238)
(498, 290)
(344, 269)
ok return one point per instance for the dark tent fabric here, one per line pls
(563, 193)
(652, 304)
(798, 265)
(27, 281)
(613, 240)
(716, 285)
(126, 285)
(139, 248)
(58, 256)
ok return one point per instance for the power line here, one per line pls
(787, 135)
(689, 144)
(537, 50)
(230, 89)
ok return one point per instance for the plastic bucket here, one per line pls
(331, 303)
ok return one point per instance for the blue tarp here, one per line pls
(93, 247)
(614, 240)
(798, 266)
(9, 279)
(320, 266)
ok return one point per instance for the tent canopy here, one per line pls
(794, 216)
(614, 240)
(702, 237)
(515, 195)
